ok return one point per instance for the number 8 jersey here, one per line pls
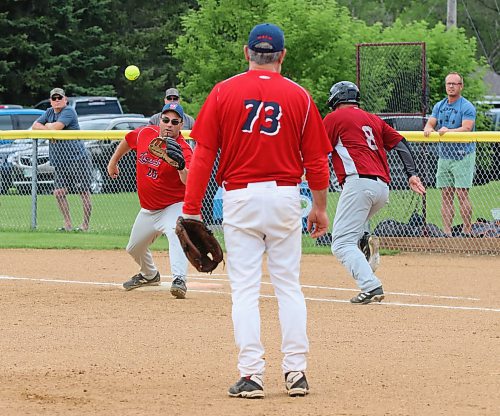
(268, 128)
(359, 140)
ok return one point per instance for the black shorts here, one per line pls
(74, 176)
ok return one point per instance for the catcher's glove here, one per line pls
(199, 244)
(171, 153)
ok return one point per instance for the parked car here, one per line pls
(17, 119)
(89, 105)
(494, 115)
(13, 117)
(101, 151)
(9, 106)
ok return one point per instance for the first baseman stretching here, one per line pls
(269, 130)
(360, 140)
(161, 189)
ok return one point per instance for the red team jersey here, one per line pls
(158, 183)
(359, 140)
(268, 129)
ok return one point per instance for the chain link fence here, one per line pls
(407, 222)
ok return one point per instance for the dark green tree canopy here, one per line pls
(84, 46)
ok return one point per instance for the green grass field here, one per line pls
(114, 214)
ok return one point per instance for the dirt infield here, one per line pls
(72, 342)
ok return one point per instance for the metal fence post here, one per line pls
(34, 183)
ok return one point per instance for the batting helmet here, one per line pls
(343, 92)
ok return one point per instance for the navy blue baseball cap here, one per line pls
(176, 107)
(266, 38)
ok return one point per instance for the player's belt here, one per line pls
(372, 177)
(234, 186)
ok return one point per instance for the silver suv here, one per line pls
(101, 151)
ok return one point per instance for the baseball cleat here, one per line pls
(139, 281)
(363, 298)
(178, 288)
(369, 245)
(296, 384)
(249, 387)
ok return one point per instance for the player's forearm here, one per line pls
(320, 198)
(183, 174)
(197, 180)
(120, 151)
(406, 157)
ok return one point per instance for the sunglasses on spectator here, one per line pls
(174, 121)
(172, 98)
(56, 98)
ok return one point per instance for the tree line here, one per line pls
(84, 46)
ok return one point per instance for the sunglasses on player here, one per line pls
(174, 121)
(56, 98)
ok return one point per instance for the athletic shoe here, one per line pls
(296, 384)
(363, 298)
(249, 387)
(139, 280)
(369, 245)
(178, 288)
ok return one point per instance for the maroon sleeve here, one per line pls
(390, 136)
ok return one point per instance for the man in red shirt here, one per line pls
(360, 140)
(269, 130)
(161, 191)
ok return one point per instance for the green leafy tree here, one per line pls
(84, 46)
(479, 19)
(320, 37)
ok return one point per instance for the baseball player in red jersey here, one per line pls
(161, 189)
(360, 140)
(269, 130)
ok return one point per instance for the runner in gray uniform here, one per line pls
(360, 140)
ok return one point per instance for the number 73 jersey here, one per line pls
(359, 140)
(267, 127)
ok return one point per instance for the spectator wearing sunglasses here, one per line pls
(161, 189)
(172, 96)
(70, 158)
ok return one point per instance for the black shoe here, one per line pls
(369, 245)
(363, 298)
(178, 288)
(139, 280)
(249, 387)
(296, 384)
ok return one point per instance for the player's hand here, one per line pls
(113, 170)
(416, 185)
(317, 223)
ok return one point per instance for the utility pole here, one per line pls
(451, 17)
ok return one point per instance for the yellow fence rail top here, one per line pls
(412, 136)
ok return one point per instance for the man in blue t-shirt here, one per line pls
(456, 161)
(70, 159)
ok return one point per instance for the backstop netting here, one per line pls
(392, 78)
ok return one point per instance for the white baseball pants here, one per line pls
(360, 200)
(147, 227)
(264, 218)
